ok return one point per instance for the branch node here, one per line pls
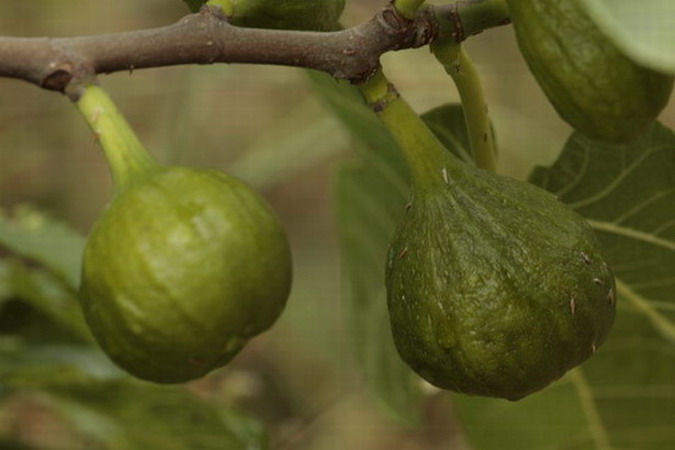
(59, 78)
(390, 18)
(215, 11)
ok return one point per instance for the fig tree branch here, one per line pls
(206, 37)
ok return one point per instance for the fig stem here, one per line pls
(126, 155)
(407, 8)
(426, 156)
(459, 66)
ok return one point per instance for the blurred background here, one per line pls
(264, 125)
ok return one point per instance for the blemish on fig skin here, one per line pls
(610, 297)
(444, 172)
(194, 361)
(597, 281)
(585, 258)
(573, 305)
(403, 253)
(593, 347)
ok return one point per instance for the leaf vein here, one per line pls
(632, 233)
(618, 180)
(660, 322)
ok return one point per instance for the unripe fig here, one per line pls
(494, 287)
(183, 268)
(591, 84)
(314, 15)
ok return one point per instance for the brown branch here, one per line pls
(62, 64)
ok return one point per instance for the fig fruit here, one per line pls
(494, 287)
(184, 267)
(312, 15)
(592, 85)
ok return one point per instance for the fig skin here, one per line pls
(309, 15)
(494, 287)
(592, 85)
(181, 270)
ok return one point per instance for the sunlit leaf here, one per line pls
(30, 234)
(644, 30)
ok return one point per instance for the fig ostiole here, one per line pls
(494, 287)
(183, 267)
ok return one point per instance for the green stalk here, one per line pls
(126, 156)
(407, 8)
(460, 67)
(428, 159)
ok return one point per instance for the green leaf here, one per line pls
(448, 124)
(32, 235)
(36, 306)
(42, 332)
(130, 415)
(627, 193)
(644, 30)
(43, 366)
(126, 414)
(194, 5)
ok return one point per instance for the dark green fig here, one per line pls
(183, 268)
(592, 85)
(494, 287)
(313, 15)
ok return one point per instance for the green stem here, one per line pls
(429, 161)
(126, 156)
(407, 8)
(459, 66)
(461, 19)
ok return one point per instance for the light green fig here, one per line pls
(181, 271)
(592, 85)
(184, 266)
